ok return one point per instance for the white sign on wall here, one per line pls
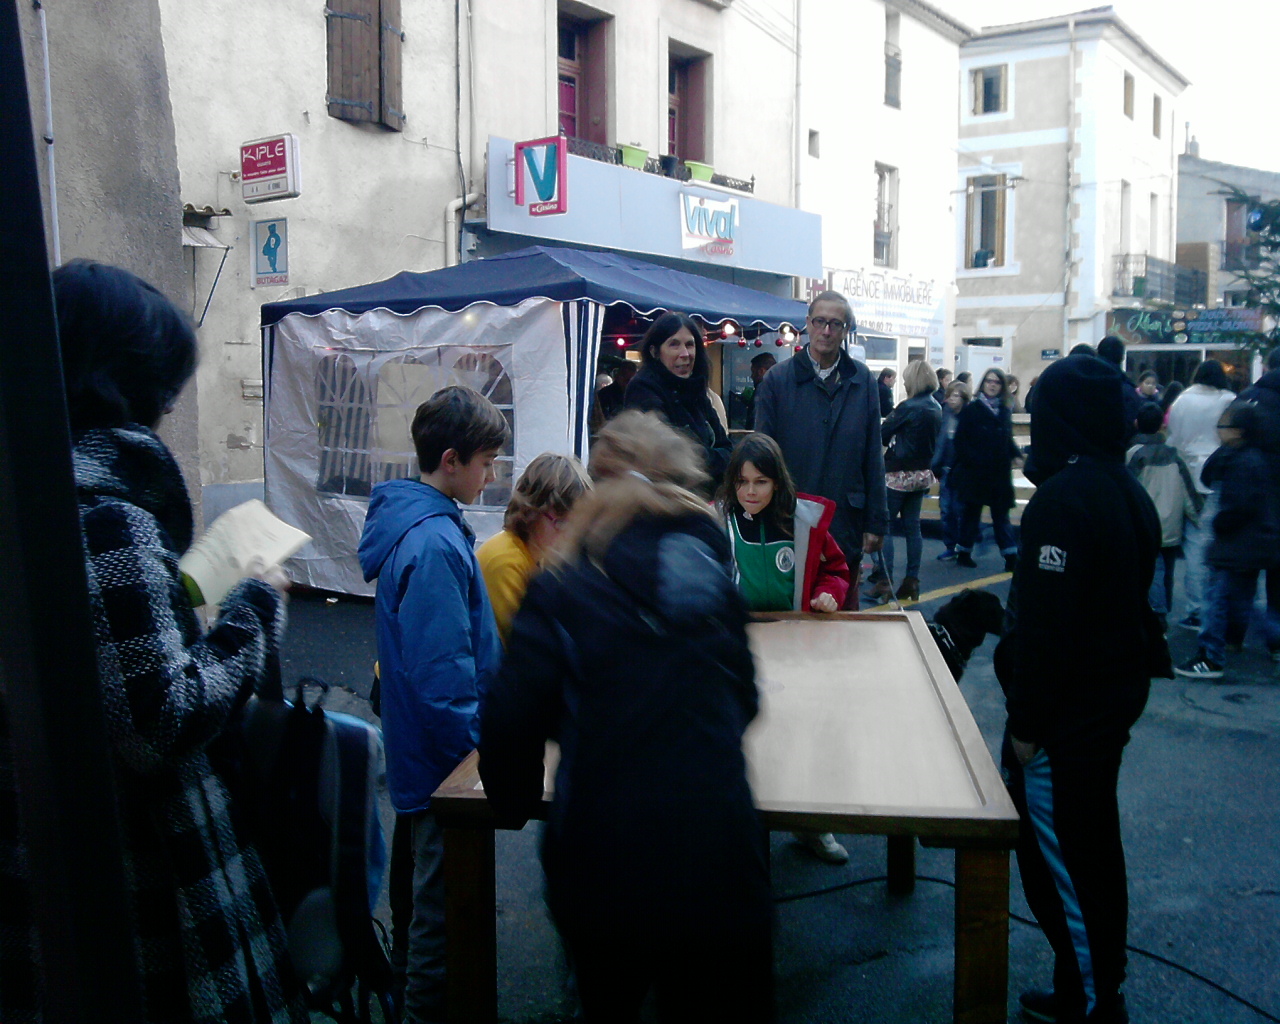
(887, 302)
(708, 224)
(270, 252)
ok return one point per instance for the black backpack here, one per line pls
(306, 784)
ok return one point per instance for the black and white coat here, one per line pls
(211, 947)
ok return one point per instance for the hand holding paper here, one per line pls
(244, 541)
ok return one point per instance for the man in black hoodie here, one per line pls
(1265, 393)
(1075, 682)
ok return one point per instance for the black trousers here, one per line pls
(1073, 871)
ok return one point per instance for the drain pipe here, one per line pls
(48, 138)
(452, 256)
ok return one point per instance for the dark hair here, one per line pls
(1148, 375)
(458, 418)
(1006, 398)
(941, 371)
(888, 371)
(763, 452)
(626, 366)
(127, 351)
(1273, 359)
(1083, 349)
(850, 324)
(1244, 416)
(964, 377)
(1171, 393)
(759, 360)
(1211, 374)
(1111, 349)
(1150, 418)
(662, 329)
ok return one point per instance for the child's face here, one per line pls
(754, 490)
(470, 478)
(955, 401)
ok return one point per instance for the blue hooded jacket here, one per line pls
(438, 645)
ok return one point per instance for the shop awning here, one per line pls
(562, 274)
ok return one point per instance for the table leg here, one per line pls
(982, 936)
(471, 934)
(902, 864)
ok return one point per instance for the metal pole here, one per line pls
(51, 700)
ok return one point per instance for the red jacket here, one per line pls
(825, 568)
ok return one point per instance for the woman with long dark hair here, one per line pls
(211, 947)
(673, 383)
(632, 653)
(983, 469)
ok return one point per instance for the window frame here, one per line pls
(886, 220)
(978, 90)
(1128, 95)
(975, 218)
(1157, 115)
(364, 42)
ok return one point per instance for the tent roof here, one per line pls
(555, 273)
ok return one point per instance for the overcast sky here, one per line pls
(1224, 49)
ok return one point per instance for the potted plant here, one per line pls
(633, 155)
(699, 171)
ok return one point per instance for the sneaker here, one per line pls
(947, 556)
(1191, 622)
(1039, 1004)
(965, 560)
(1200, 667)
(823, 845)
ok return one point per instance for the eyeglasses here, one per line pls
(820, 323)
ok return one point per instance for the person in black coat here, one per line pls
(911, 433)
(983, 473)
(1265, 393)
(884, 385)
(1076, 682)
(632, 653)
(673, 383)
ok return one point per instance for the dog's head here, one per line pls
(970, 616)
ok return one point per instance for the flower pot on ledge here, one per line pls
(633, 156)
(699, 171)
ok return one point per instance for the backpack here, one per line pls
(306, 784)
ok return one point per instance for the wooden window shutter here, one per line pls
(354, 28)
(1002, 199)
(392, 43)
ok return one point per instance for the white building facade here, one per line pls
(405, 114)
(1066, 188)
(879, 96)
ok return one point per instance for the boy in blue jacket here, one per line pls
(438, 645)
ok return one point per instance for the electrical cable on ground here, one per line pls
(1264, 1014)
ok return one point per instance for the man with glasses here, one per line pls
(823, 408)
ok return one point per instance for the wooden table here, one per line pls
(861, 730)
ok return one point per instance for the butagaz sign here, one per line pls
(542, 165)
(1196, 326)
(709, 225)
(887, 303)
(270, 169)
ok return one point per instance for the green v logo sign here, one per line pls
(544, 178)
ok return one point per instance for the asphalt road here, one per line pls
(1200, 826)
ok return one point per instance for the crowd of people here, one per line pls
(610, 614)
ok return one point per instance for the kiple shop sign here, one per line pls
(1191, 326)
(708, 225)
(542, 166)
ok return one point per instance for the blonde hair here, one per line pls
(919, 377)
(550, 483)
(641, 467)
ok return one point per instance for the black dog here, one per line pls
(960, 626)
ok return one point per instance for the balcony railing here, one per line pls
(1240, 255)
(1158, 281)
(668, 167)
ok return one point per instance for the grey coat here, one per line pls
(830, 438)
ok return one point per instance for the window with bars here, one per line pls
(366, 412)
(365, 39)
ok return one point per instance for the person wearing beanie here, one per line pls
(1075, 683)
(1111, 349)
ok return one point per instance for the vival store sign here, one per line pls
(542, 164)
(270, 169)
(708, 224)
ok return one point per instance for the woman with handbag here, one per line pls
(210, 945)
(910, 432)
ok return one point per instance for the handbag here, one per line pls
(909, 479)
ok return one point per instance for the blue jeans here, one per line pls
(1225, 614)
(950, 510)
(1195, 541)
(1161, 594)
(971, 523)
(908, 503)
